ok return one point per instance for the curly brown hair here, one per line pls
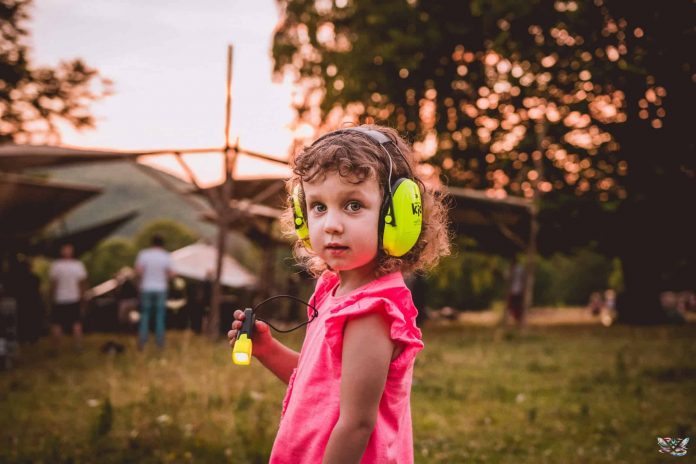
(356, 158)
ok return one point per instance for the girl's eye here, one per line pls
(353, 206)
(318, 208)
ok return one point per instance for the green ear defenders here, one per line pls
(401, 218)
(301, 228)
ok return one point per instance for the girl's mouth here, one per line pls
(336, 249)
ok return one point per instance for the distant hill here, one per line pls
(128, 188)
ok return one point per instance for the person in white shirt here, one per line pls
(68, 278)
(517, 280)
(154, 268)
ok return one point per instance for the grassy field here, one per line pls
(562, 394)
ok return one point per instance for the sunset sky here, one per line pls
(167, 60)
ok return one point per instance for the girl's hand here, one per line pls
(261, 338)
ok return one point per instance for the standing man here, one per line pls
(516, 288)
(154, 267)
(68, 284)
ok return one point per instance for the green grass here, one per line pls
(584, 394)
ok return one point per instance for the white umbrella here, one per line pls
(198, 262)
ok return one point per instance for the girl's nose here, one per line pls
(332, 223)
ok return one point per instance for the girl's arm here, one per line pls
(278, 358)
(275, 356)
(367, 353)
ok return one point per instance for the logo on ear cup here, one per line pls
(402, 218)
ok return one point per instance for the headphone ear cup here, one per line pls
(402, 217)
(301, 228)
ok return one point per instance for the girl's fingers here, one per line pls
(261, 327)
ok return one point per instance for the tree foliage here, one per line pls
(570, 279)
(175, 235)
(108, 258)
(510, 96)
(116, 253)
(33, 99)
(583, 104)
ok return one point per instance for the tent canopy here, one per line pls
(499, 225)
(15, 157)
(84, 239)
(28, 204)
(268, 191)
(199, 260)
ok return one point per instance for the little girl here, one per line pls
(361, 218)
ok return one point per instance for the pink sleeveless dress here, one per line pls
(311, 404)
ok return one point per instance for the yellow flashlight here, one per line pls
(241, 353)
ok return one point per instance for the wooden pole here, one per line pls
(530, 265)
(228, 99)
(223, 215)
(220, 199)
(532, 248)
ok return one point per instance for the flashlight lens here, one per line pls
(241, 354)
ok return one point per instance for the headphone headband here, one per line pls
(375, 135)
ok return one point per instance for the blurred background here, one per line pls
(560, 132)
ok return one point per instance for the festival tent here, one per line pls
(83, 239)
(28, 204)
(197, 262)
(16, 157)
(499, 225)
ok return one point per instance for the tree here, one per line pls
(638, 86)
(108, 258)
(175, 235)
(33, 99)
(556, 98)
(113, 254)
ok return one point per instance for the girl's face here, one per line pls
(343, 222)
